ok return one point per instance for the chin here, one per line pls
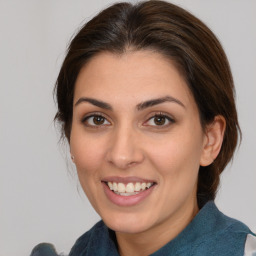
(127, 223)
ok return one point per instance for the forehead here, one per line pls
(138, 75)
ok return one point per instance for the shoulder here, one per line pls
(232, 226)
(225, 234)
(233, 236)
(88, 238)
(232, 229)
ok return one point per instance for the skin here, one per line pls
(130, 143)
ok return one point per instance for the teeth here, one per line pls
(110, 185)
(120, 188)
(129, 189)
(143, 186)
(137, 186)
(148, 185)
(114, 186)
(127, 194)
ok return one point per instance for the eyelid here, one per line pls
(170, 119)
(92, 114)
(160, 114)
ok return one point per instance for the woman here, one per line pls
(146, 101)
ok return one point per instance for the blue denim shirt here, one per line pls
(209, 233)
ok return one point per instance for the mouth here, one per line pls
(130, 188)
(127, 191)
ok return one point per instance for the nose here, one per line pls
(124, 148)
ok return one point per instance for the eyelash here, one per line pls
(166, 118)
(93, 115)
(156, 115)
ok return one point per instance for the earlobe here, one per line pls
(214, 135)
(72, 157)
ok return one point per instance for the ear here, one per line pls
(72, 157)
(213, 139)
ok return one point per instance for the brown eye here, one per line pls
(95, 120)
(159, 120)
(98, 120)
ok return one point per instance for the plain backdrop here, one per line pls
(40, 199)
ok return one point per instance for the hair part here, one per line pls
(178, 36)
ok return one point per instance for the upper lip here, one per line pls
(126, 180)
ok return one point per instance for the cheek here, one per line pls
(88, 152)
(177, 163)
(178, 156)
(88, 156)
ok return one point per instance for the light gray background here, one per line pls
(39, 200)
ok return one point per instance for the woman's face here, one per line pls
(136, 130)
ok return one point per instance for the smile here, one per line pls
(130, 188)
(127, 191)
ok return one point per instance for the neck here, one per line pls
(141, 244)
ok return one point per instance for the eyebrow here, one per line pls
(94, 102)
(153, 102)
(140, 106)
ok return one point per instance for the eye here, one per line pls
(160, 120)
(95, 120)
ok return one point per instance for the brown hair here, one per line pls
(177, 35)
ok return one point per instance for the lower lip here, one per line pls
(126, 200)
